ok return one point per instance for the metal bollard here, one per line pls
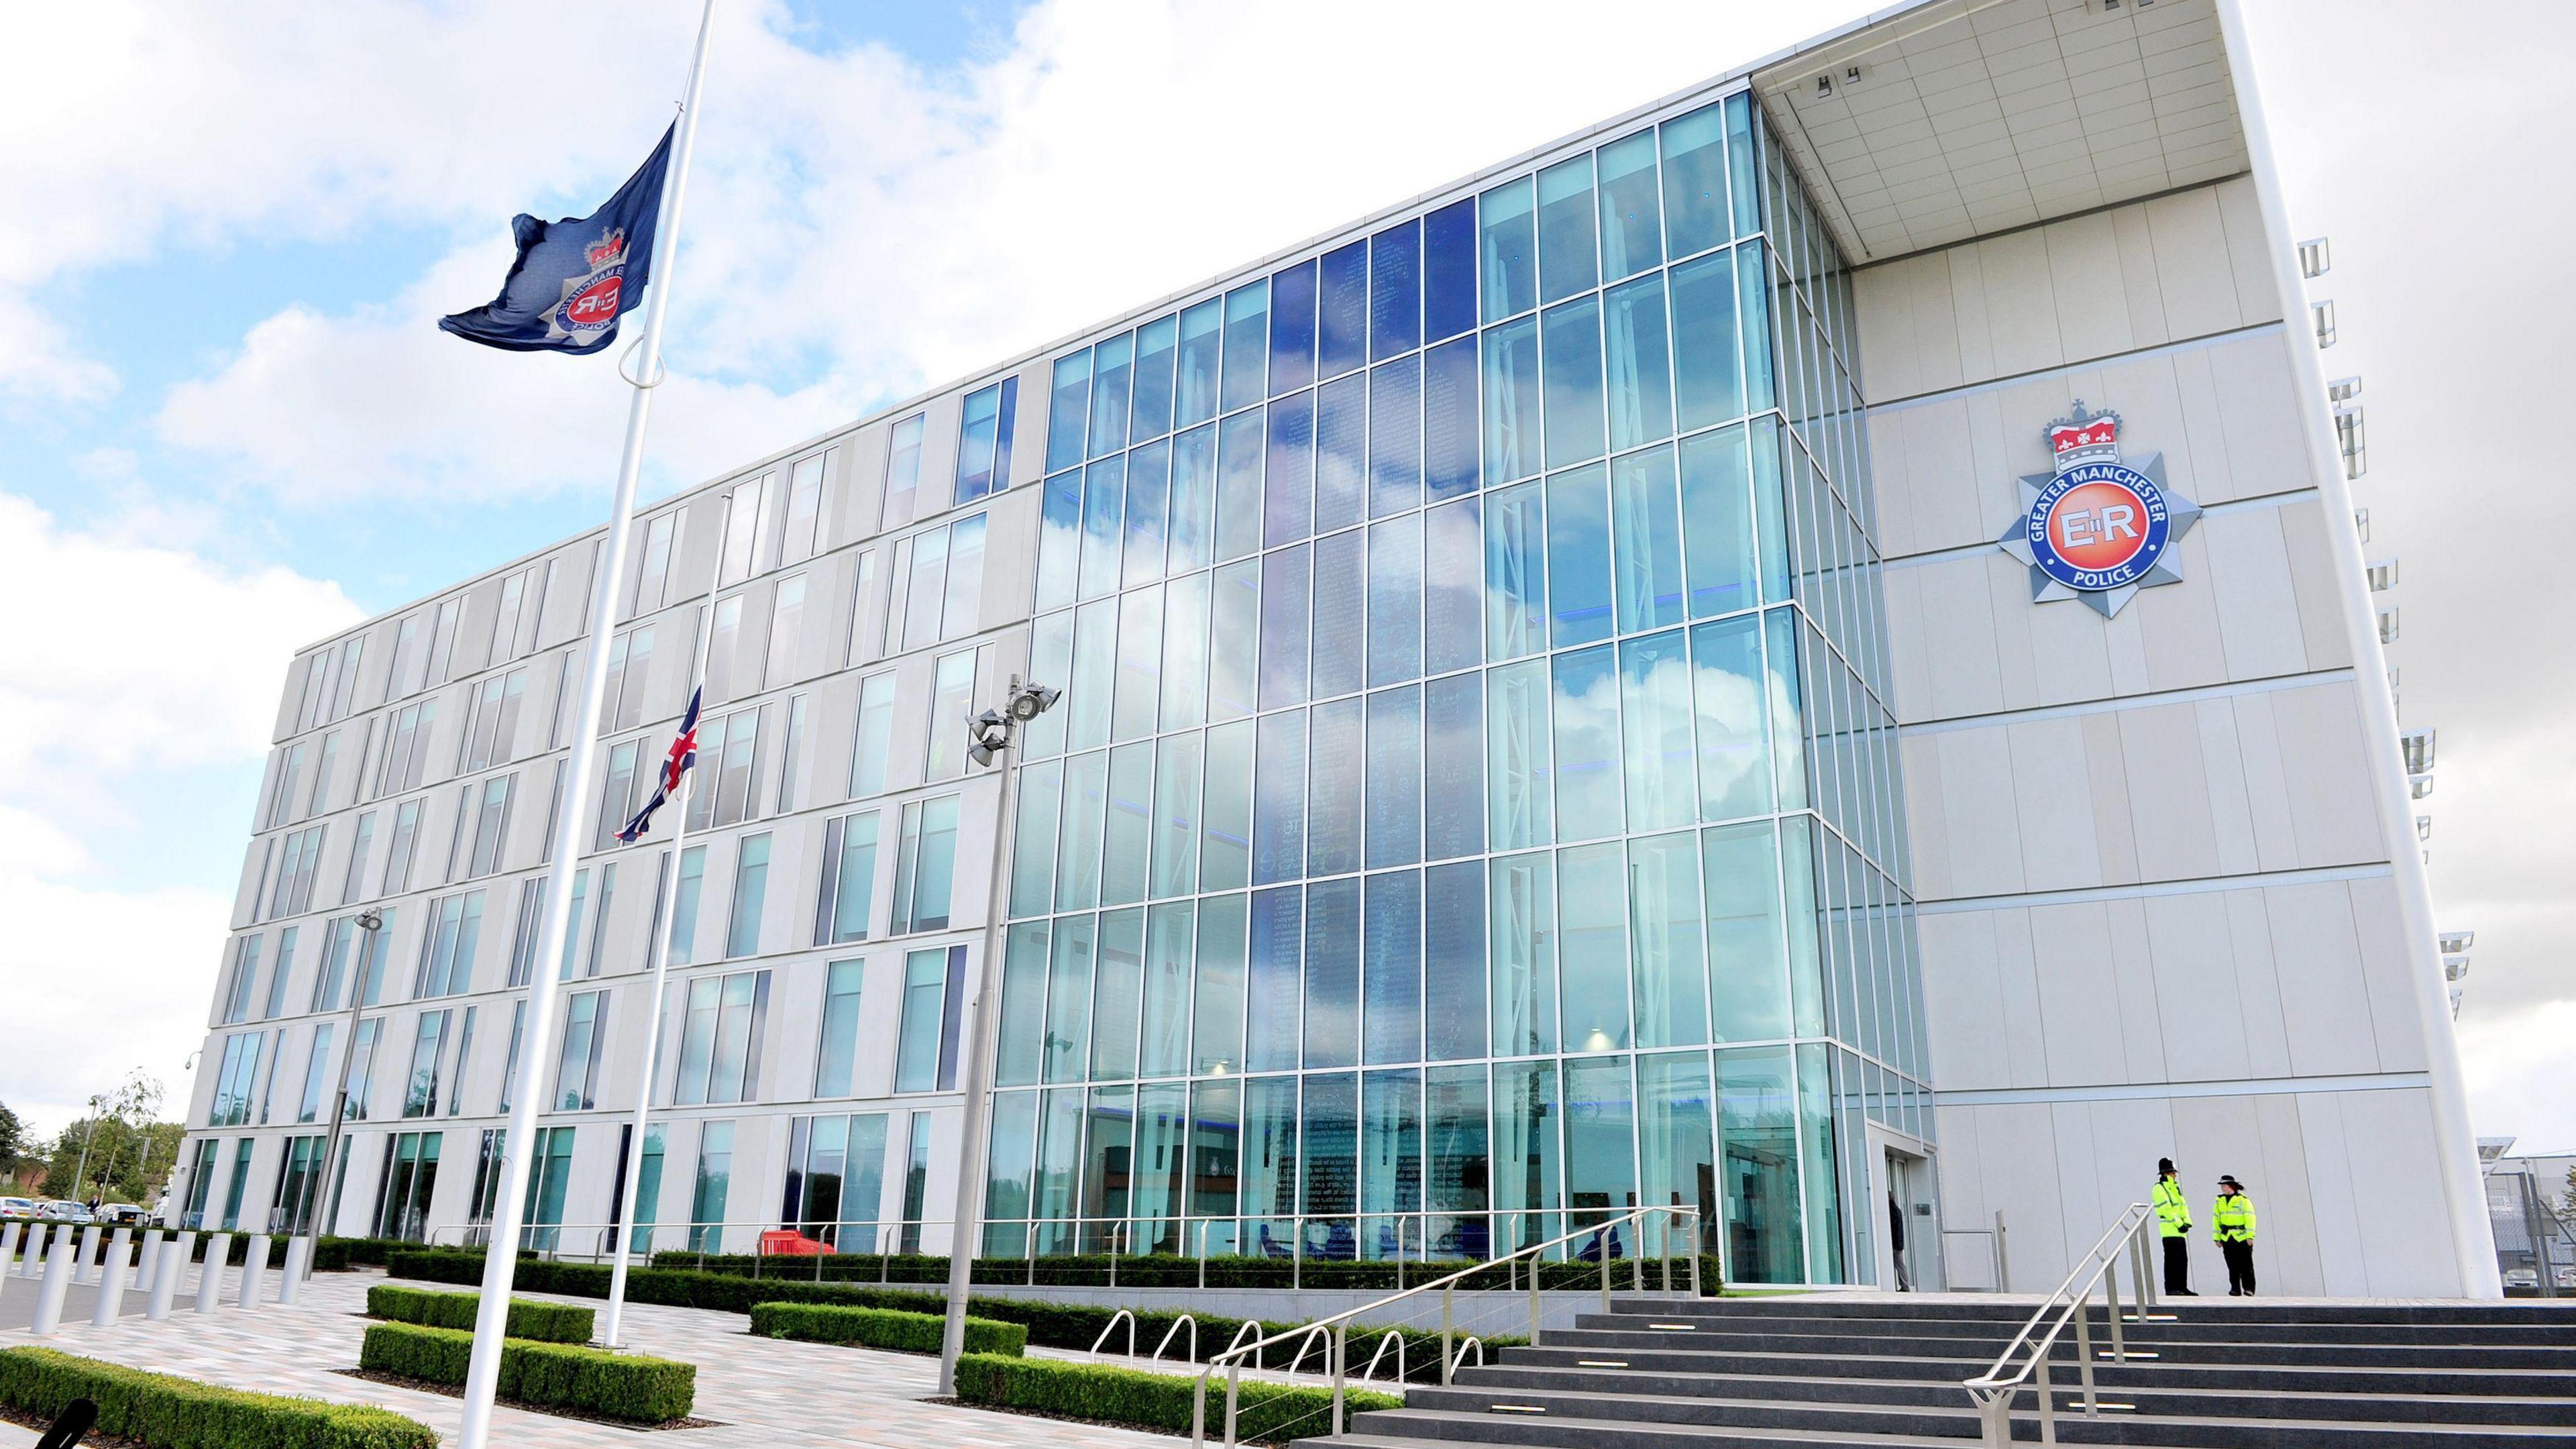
(169, 1261)
(210, 1283)
(254, 1267)
(147, 1259)
(299, 1261)
(88, 1259)
(10, 1236)
(111, 1283)
(58, 1281)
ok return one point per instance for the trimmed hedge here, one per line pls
(886, 1328)
(1168, 1270)
(529, 1319)
(163, 1412)
(1266, 1413)
(549, 1375)
(1050, 1325)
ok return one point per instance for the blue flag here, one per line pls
(574, 278)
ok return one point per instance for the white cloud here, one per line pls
(2517, 1076)
(123, 659)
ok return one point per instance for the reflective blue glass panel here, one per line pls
(1647, 547)
(1395, 600)
(1521, 909)
(1631, 225)
(1449, 271)
(1329, 1160)
(1149, 480)
(1292, 327)
(1157, 343)
(1726, 672)
(1279, 800)
(1511, 401)
(1707, 382)
(1578, 556)
(1342, 335)
(1060, 541)
(1068, 410)
(1395, 436)
(1395, 290)
(1655, 717)
(1270, 1166)
(1392, 979)
(1193, 499)
(1717, 523)
(1283, 627)
(1453, 766)
(1515, 583)
(1587, 744)
(1600, 1148)
(1667, 968)
(1247, 345)
(1216, 1003)
(1341, 453)
(1694, 149)
(1518, 809)
(1566, 261)
(1638, 361)
(1276, 954)
(1509, 250)
(1340, 614)
(1239, 450)
(1234, 626)
(1395, 777)
(1288, 490)
(1748, 962)
(1111, 367)
(1336, 768)
(1194, 391)
(1740, 166)
(1333, 973)
(1225, 853)
(1453, 978)
(1453, 601)
(1449, 420)
(1104, 493)
(1571, 342)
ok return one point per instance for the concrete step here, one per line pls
(1582, 1424)
(2229, 1401)
(2560, 1312)
(1951, 1371)
(2158, 1325)
(2241, 1349)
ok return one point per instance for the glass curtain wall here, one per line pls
(1472, 812)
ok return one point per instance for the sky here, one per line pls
(228, 426)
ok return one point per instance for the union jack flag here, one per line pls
(684, 753)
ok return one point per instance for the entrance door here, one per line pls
(1898, 1246)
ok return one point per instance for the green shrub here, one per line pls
(885, 1328)
(548, 1375)
(1265, 1412)
(163, 1412)
(529, 1319)
(1049, 1325)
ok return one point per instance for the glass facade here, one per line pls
(1472, 805)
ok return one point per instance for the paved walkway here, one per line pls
(763, 1392)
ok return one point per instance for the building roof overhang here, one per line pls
(1934, 123)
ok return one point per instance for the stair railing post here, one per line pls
(2047, 1403)
(1233, 1383)
(2083, 1307)
(1695, 1234)
(2111, 1295)
(1601, 1240)
(2003, 1274)
(1341, 1369)
(1533, 1291)
(1448, 1299)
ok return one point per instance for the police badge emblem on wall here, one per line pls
(2098, 528)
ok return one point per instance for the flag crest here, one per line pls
(574, 278)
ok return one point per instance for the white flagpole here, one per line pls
(659, 950)
(501, 1258)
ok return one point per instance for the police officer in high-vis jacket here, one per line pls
(2173, 1224)
(2231, 1221)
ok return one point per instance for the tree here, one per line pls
(12, 1138)
(118, 1154)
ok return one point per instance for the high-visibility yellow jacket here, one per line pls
(2231, 1219)
(2173, 1213)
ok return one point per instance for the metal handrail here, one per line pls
(1338, 1325)
(1112, 1327)
(1464, 1344)
(1193, 1321)
(1994, 1390)
(1393, 1336)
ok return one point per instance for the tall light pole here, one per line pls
(988, 741)
(368, 923)
(80, 1169)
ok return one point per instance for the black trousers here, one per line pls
(2177, 1266)
(2240, 1268)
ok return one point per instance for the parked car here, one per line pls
(2521, 1278)
(2567, 1275)
(60, 1211)
(17, 1207)
(120, 1214)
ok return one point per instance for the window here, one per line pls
(934, 989)
(616, 795)
(235, 1079)
(237, 984)
(925, 858)
(750, 893)
(598, 924)
(786, 632)
(201, 1177)
(442, 641)
(506, 616)
(715, 1177)
(352, 883)
(299, 1178)
(804, 510)
(447, 947)
(464, 1050)
(491, 820)
(916, 1184)
(791, 755)
(724, 642)
(281, 786)
(405, 675)
(943, 594)
(549, 1174)
(903, 471)
(630, 661)
(648, 1185)
(320, 799)
(684, 906)
(428, 1046)
(848, 890)
(523, 935)
(317, 1074)
(572, 924)
(240, 1179)
(277, 974)
(722, 793)
(837, 1054)
(720, 1039)
(492, 728)
(952, 699)
(362, 1065)
(398, 851)
(344, 693)
(836, 1179)
(748, 544)
(510, 1061)
(874, 737)
(585, 1038)
(653, 569)
(317, 689)
(984, 439)
(406, 747)
(403, 1193)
